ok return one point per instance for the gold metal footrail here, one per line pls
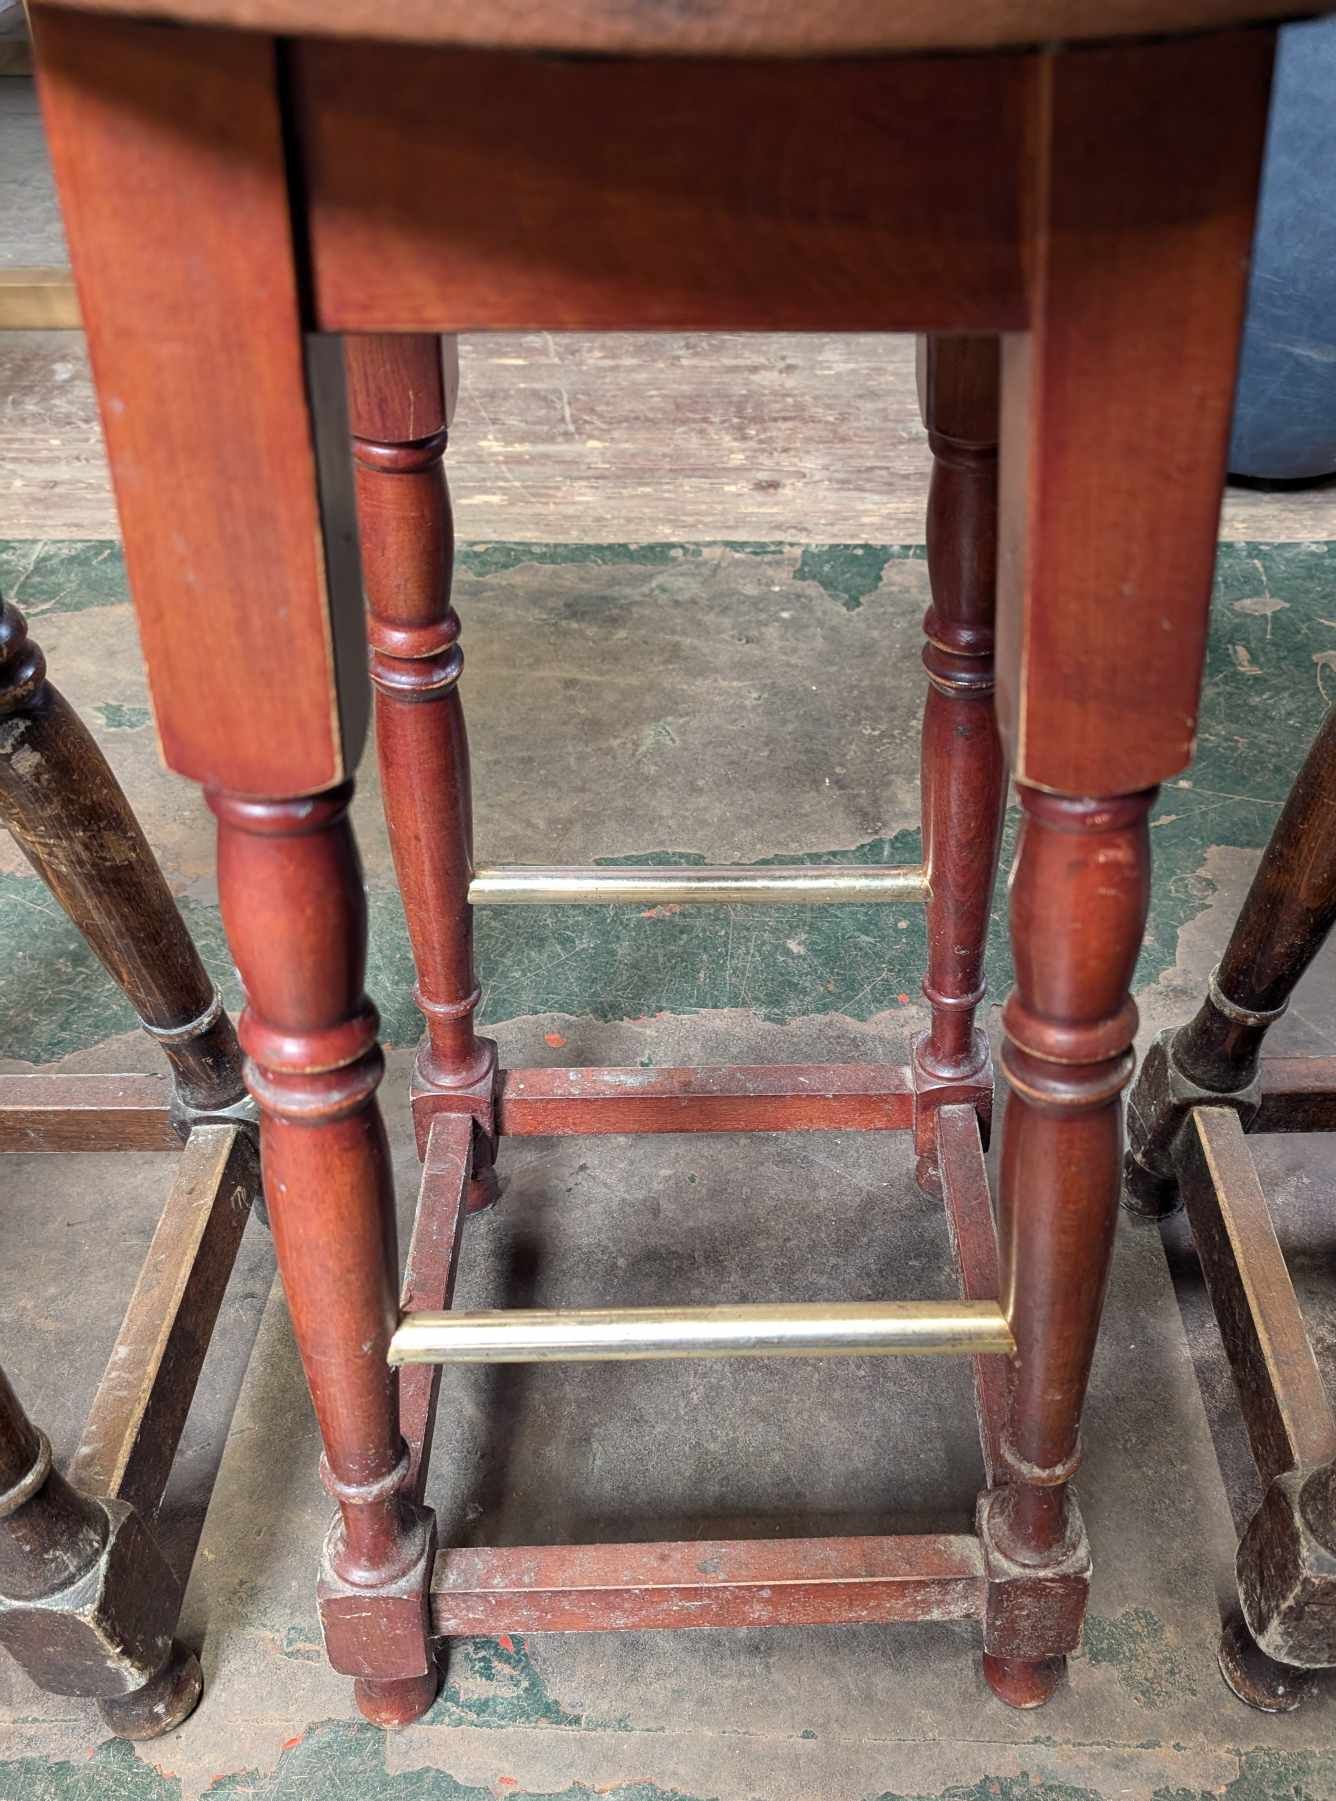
(811, 885)
(37, 300)
(586, 1335)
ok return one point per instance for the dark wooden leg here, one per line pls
(963, 770)
(1115, 414)
(295, 911)
(87, 1601)
(1283, 924)
(69, 817)
(398, 414)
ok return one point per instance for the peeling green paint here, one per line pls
(118, 718)
(62, 577)
(1002, 1788)
(493, 1682)
(1137, 1647)
(849, 572)
(1271, 660)
(347, 1757)
(113, 1771)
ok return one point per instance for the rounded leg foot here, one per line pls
(484, 1190)
(396, 1703)
(162, 1704)
(1147, 1195)
(1022, 1681)
(1254, 1677)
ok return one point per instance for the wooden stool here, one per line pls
(88, 1604)
(1201, 1088)
(738, 166)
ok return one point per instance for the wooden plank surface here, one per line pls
(638, 1587)
(813, 1097)
(634, 437)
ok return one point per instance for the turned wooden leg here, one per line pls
(1114, 421)
(69, 817)
(1283, 924)
(295, 911)
(963, 770)
(1078, 907)
(398, 413)
(88, 1603)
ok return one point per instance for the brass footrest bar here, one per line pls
(37, 300)
(807, 885)
(595, 1334)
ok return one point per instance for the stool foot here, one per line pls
(483, 1191)
(1254, 1677)
(162, 1704)
(398, 1703)
(1023, 1681)
(1146, 1194)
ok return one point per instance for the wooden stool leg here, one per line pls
(88, 1603)
(238, 541)
(71, 820)
(1115, 416)
(1283, 924)
(398, 414)
(295, 911)
(963, 770)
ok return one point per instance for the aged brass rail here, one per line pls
(588, 1335)
(38, 300)
(805, 885)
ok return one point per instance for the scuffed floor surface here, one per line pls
(745, 702)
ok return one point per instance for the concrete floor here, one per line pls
(675, 693)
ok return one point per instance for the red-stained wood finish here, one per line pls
(398, 414)
(969, 1218)
(729, 27)
(295, 911)
(1093, 207)
(161, 139)
(864, 196)
(1142, 182)
(963, 771)
(737, 1582)
(797, 1097)
(429, 1276)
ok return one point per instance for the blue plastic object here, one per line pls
(1285, 413)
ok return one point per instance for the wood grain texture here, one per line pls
(963, 773)
(1285, 1408)
(86, 1113)
(1116, 404)
(739, 1582)
(135, 1423)
(969, 1219)
(734, 27)
(1298, 1095)
(70, 818)
(814, 1097)
(398, 416)
(429, 1277)
(858, 195)
(572, 438)
(166, 137)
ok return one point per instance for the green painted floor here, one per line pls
(693, 702)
